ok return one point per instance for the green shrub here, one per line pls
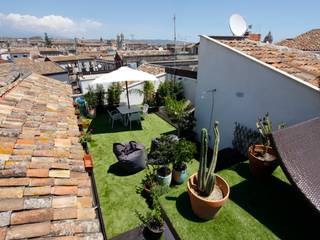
(113, 94)
(171, 89)
(91, 98)
(100, 95)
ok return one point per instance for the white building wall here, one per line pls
(246, 89)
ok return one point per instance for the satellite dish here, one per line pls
(238, 25)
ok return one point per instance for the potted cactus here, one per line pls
(207, 191)
(262, 157)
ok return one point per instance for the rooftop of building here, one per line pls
(303, 65)
(152, 69)
(44, 189)
(28, 66)
(308, 41)
(132, 53)
(70, 58)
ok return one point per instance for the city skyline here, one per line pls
(142, 20)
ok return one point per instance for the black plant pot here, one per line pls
(152, 234)
(85, 147)
(153, 109)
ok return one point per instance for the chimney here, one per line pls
(254, 36)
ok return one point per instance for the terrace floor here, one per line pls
(117, 194)
(255, 210)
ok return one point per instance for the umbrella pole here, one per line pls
(127, 94)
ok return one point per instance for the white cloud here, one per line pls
(52, 24)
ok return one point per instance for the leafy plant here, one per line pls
(183, 153)
(86, 137)
(149, 181)
(206, 177)
(100, 95)
(181, 113)
(113, 94)
(91, 97)
(171, 89)
(163, 154)
(148, 93)
(152, 219)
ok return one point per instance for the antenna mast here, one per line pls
(174, 39)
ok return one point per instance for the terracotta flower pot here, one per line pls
(206, 208)
(88, 164)
(259, 167)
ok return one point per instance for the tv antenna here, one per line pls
(238, 25)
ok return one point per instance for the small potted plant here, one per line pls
(147, 183)
(207, 191)
(162, 156)
(262, 157)
(84, 139)
(183, 153)
(152, 221)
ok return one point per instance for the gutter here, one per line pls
(97, 204)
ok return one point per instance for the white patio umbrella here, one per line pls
(125, 74)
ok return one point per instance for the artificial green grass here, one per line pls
(255, 210)
(117, 195)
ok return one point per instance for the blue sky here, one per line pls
(142, 19)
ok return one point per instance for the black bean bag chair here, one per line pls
(131, 156)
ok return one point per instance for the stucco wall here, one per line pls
(246, 89)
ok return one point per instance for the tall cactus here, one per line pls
(206, 177)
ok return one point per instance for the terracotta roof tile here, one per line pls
(44, 190)
(70, 58)
(153, 69)
(308, 41)
(303, 65)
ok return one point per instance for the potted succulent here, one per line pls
(183, 153)
(207, 191)
(162, 156)
(262, 157)
(152, 221)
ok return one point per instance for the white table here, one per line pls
(125, 111)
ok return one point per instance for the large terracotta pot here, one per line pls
(206, 208)
(261, 168)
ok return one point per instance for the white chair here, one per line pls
(134, 117)
(114, 116)
(145, 109)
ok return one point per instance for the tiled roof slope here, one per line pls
(308, 41)
(305, 66)
(45, 192)
(70, 58)
(152, 69)
(41, 67)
